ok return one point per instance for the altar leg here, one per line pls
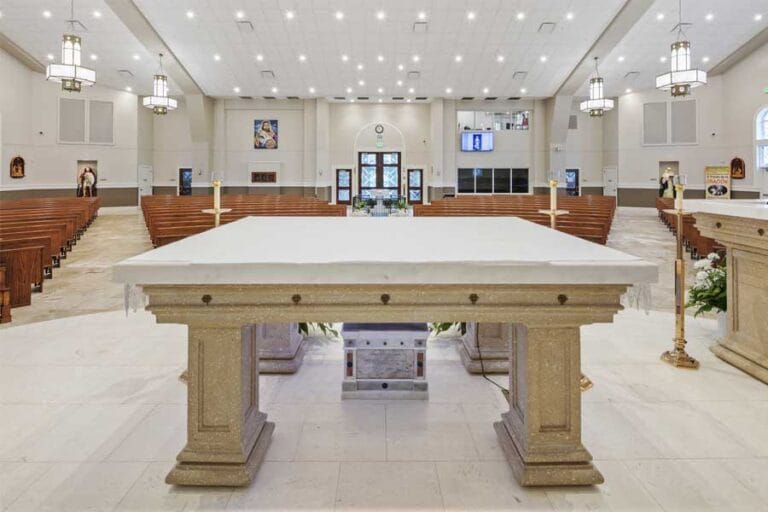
(227, 435)
(541, 433)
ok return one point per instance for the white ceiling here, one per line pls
(106, 37)
(316, 33)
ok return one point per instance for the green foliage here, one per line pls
(709, 292)
(440, 327)
(326, 328)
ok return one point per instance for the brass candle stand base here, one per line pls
(679, 358)
(585, 383)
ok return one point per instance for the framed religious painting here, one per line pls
(265, 134)
(738, 169)
(17, 167)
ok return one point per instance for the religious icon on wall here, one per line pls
(86, 178)
(17, 167)
(738, 169)
(717, 182)
(265, 134)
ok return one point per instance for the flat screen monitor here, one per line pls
(477, 141)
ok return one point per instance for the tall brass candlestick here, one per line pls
(553, 203)
(217, 202)
(678, 356)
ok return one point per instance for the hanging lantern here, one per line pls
(597, 104)
(70, 73)
(159, 102)
(681, 78)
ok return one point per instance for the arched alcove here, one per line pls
(390, 139)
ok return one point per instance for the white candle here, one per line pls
(553, 195)
(216, 195)
(679, 197)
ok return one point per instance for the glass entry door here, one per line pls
(343, 186)
(415, 186)
(379, 171)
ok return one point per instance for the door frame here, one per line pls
(578, 179)
(178, 184)
(408, 184)
(616, 184)
(335, 191)
(379, 166)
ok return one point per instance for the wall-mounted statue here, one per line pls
(17, 167)
(86, 180)
(738, 169)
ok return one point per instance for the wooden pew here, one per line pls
(20, 272)
(5, 297)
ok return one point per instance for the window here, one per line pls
(761, 134)
(492, 181)
(379, 171)
(344, 186)
(497, 121)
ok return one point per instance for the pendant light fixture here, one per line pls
(681, 77)
(159, 102)
(597, 104)
(70, 73)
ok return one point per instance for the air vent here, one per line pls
(363, 98)
(268, 74)
(124, 73)
(491, 98)
(269, 97)
(414, 75)
(573, 123)
(421, 98)
(398, 98)
(292, 97)
(340, 98)
(513, 98)
(246, 97)
(631, 76)
(547, 27)
(244, 26)
(468, 98)
(420, 27)
(519, 75)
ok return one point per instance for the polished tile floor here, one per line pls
(92, 415)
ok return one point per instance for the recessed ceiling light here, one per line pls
(274, 90)
(128, 89)
(380, 58)
(758, 17)
(97, 14)
(471, 15)
(349, 90)
(709, 16)
(458, 58)
(628, 91)
(259, 57)
(520, 16)
(380, 100)
(136, 56)
(660, 16)
(523, 90)
(499, 58)
(621, 58)
(380, 15)
(705, 59)
(344, 58)
(399, 82)
(360, 67)
(411, 90)
(190, 14)
(486, 90)
(422, 15)
(49, 56)
(416, 58)
(569, 16)
(216, 57)
(94, 56)
(380, 90)
(239, 15)
(302, 57)
(361, 83)
(46, 14)
(289, 15)
(448, 90)
(543, 58)
(236, 90)
(663, 58)
(311, 90)
(400, 67)
(339, 15)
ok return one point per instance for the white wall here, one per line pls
(584, 148)
(29, 106)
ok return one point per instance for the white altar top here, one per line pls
(747, 208)
(394, 250)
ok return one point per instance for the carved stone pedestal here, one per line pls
(281, 347)
(485, 347)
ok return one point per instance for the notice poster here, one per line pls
(717, 182)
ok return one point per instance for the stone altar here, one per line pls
(223, 281)
(281, 347)
(742, 227)
(485, 347)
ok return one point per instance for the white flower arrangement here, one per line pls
(709, 291)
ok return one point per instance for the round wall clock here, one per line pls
(379, 129)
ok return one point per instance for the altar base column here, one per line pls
(227, 435)
(541, 433)
(485, 347)
(281, 347)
